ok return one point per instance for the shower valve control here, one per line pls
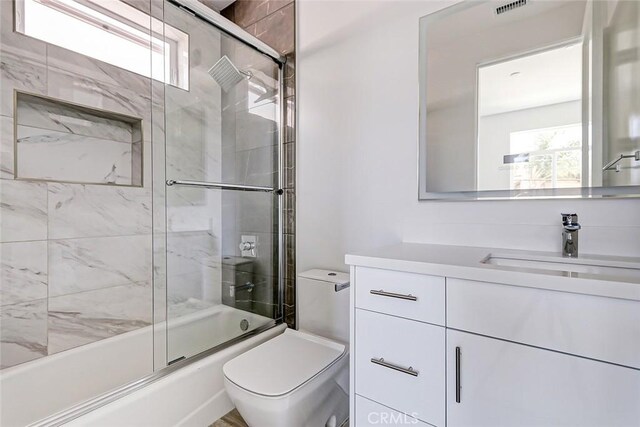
(248, 246)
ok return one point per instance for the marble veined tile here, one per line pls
(193, 265)
(6, 148)
(43, 113)
(82, 90)
(77, 265)
(86, 317)
(192, 250)
(23, 332)
(193, 147)
(257, 167)
(23, 211)
(73, 62)
(57, 156)
(254, 131)
(24, 272)
(190, 208)
(193, 159)
(19, 72)
(77, 210)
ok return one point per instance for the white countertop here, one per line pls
(466, 263)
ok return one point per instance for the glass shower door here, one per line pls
(222, 221)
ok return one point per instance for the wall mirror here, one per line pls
(530, 99)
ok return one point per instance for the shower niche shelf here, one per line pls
(63, 142)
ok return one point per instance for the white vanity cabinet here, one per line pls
(434, 346)
(399, 355)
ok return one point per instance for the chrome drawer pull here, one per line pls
(392, 295)
(381, 362)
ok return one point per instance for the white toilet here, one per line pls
(299, 378)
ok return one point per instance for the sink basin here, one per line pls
(572, 267)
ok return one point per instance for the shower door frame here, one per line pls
(199, 10)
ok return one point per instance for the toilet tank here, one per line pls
(323, 310)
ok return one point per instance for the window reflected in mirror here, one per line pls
(530, 128)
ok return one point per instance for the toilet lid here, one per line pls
(283, 363)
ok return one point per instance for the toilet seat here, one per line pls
(283, 364)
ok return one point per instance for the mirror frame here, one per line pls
(630, 191)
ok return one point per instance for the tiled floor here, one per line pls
(232, 419)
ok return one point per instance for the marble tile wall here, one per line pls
(272, 21)
(56, 141)
(76, 259)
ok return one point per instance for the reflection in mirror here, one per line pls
(532, 140)
(621, 93)
(530, 99)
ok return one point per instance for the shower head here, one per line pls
(226, 74)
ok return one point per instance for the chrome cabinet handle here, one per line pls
(394, 295)
(458, 360)
(408, 371)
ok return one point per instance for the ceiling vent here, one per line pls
(511, 6)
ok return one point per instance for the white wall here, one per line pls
(357, 150)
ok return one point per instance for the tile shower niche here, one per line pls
(63, 142)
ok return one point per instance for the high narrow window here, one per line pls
(110, 31)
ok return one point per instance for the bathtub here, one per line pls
(35, 390)
(194, 333)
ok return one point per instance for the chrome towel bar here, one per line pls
(221, 186)
(408, 371)
(610, 166)
(394, 295)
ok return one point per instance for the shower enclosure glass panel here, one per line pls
(76, 282)
(107, 272)
(222, 131)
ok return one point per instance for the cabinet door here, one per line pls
(505, 384)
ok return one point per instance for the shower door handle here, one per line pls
(222, 186)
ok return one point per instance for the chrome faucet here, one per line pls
(570, 228)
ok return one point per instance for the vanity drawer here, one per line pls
(600, 328)
(414, 296)
(385, 348)
(370, 413)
